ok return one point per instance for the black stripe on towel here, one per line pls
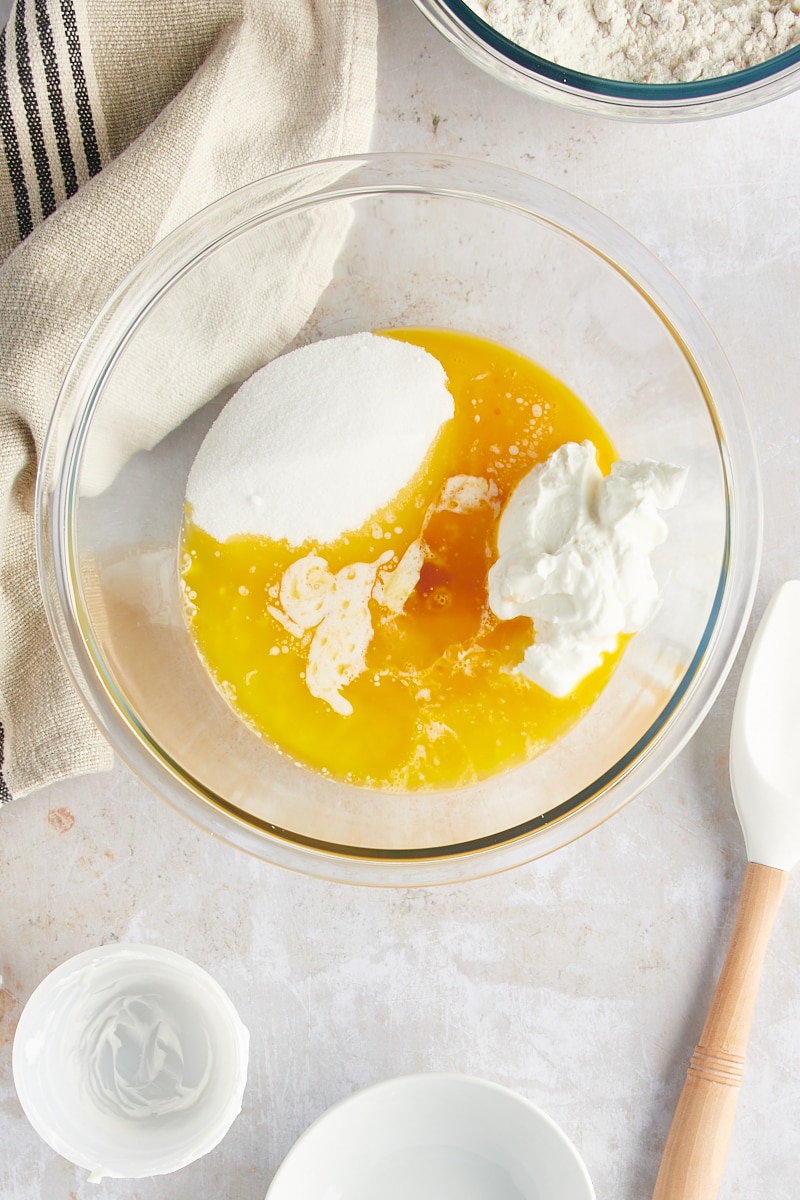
(16, 170)
(40, 159)
(56, 99)
(85, 117)
(5, 794)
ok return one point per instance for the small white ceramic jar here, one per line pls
(130, 1061)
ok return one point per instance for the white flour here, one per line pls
(648, 41)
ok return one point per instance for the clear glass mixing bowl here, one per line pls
(367, 243)
(512, 63)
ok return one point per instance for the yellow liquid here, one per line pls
(439, 704)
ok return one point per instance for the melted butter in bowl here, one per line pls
(397, 611)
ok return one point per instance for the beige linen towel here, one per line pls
(119, 119)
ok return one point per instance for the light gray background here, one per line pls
(583, 979)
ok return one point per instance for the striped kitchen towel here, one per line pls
(119, 119)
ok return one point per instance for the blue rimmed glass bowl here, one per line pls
(513, 64)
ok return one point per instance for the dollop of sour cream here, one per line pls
(574, 555)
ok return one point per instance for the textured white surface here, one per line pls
(581, 980)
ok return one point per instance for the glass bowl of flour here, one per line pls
(662, 60)
(464, 253)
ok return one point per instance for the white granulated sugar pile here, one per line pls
(648, 41)
(320, 439)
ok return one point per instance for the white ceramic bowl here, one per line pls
(130, 1061)
(433, 1137)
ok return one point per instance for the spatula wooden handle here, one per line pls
(694, 1156)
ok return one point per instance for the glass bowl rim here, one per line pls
(169, 260)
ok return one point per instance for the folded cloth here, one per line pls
(118, 120)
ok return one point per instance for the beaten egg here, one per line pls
(437, 702)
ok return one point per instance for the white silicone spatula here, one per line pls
(765, 777)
